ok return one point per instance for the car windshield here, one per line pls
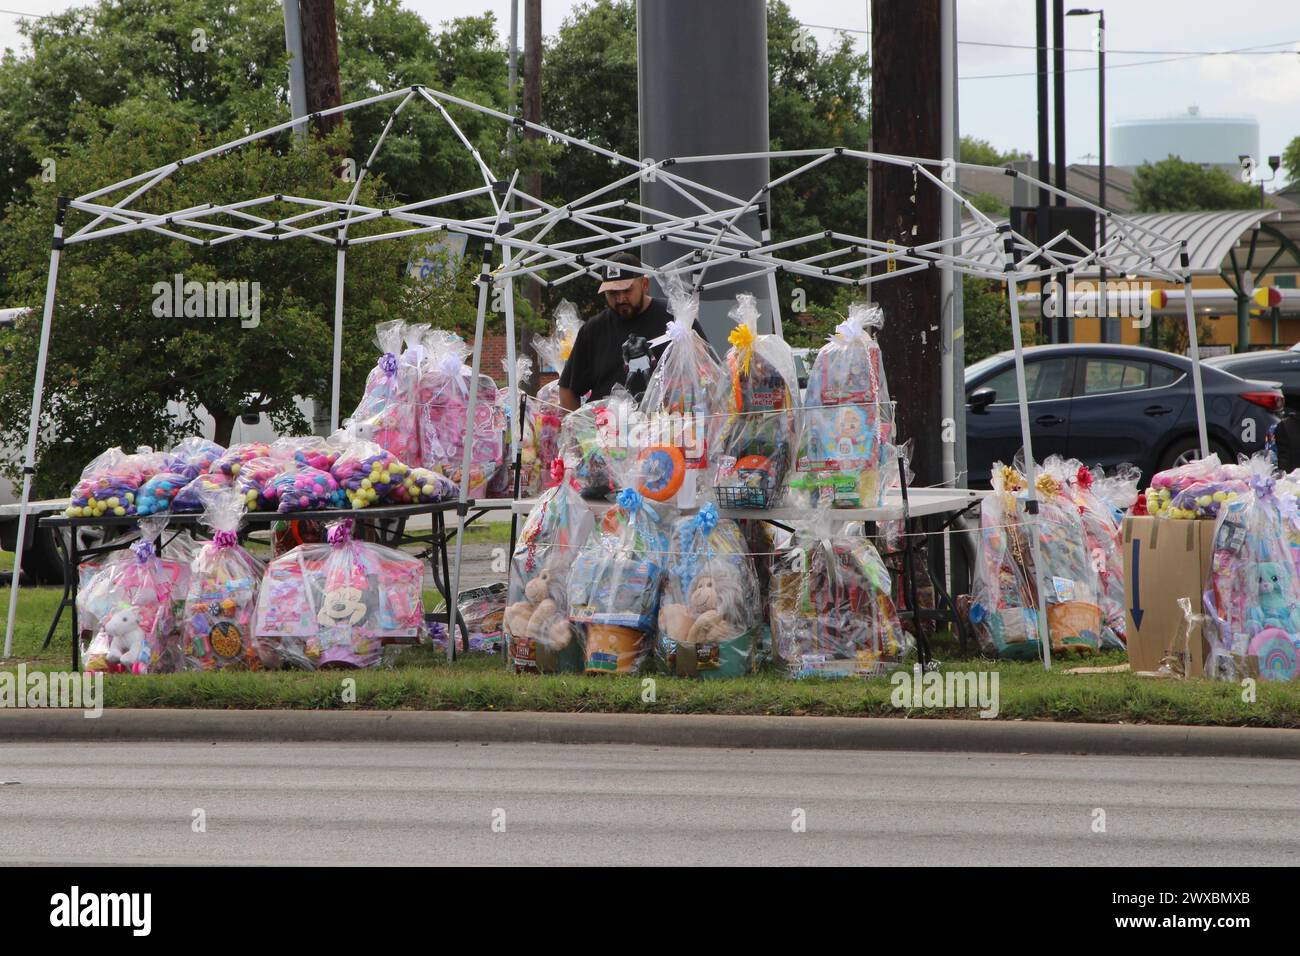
(983, 365)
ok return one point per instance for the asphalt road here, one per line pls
(437, 803)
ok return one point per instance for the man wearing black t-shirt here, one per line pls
(596, 364)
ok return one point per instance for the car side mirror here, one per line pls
(251, 418)
(981, 398)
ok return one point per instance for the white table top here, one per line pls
(921, 502)
(35, 507)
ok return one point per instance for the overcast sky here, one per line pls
(1002, 110)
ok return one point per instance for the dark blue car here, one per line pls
(1110, 404)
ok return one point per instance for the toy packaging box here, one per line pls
(338, 603)
(386, 412)
(845, 447)
(1164, 560)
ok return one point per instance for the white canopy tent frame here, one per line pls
(711, 238)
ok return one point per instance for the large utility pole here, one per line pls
(533, 112)
(905, 119)
(320, 54)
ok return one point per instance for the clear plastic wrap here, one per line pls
(217, 621)
(614, 584)
(190, 498)
(553, 350)
(337, 604)
(595, 438)
(254, 482)
(192, 456)
(846, 441)
(386, 413)
(1101, 528)
(156, 494)
(1253, 594)
(541, 637)
(543, 418)
(678, 448)
(368, 474)
(311, 450)
(421, 486)
(1004, 588)
(507, 414)
(442, 410)
(108, 485)
(1119, 490)
(234, 457)
(759, 435)
(298, 487)
(830, 609)
(133, 603)
(710, 614)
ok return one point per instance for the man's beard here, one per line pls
(624, 309)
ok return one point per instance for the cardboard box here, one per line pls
(1164, 559)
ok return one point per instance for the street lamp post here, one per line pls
(1103, 299)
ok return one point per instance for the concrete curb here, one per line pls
(793, 733)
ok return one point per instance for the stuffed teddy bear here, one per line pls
(1272, 609)
(540, 616)
(713, 608)
(126, 639)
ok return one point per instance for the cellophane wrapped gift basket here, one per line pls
(846, 445)
(760, 425)
(830, 607)
(338, 603)
(1004, 602)
(131, 602)
(679, 452)
(1252, 597)
(217, 621)
(541, 636)
(710, 612)
(441, 412)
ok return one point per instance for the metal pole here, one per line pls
(340, 261)
(33, 426)
(1058, 82)
(1101, 169)
(1193, 350)
(1044, 169)
(948, 217)
(1031, 472)
(513, 71)
(297, 74)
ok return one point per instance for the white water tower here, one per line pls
(1208, 140)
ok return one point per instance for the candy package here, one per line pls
(298, 487)
(421, 486)
(337, 604)
(442, 410)
(1004, 599)
(368, 474)
(830, 610)
(677, 455)
(386, 413)
(311, 450)
(1252, 596)
(108, 485)
(845, 447)
(540, 635)
(156, 494)
(760, 430)
(133, 602)
(234, 457)
(710, 612)
(190, 498)
(193, 456)
(614, 584)
(254, 482)
(217, 621)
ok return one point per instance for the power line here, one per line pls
(34, 16)
(1120, 66)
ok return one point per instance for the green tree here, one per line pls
(984, 153)
(1291, 161)
(1173, 185)
(986, 319)
(114, 364)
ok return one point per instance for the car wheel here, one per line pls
(1187, 450)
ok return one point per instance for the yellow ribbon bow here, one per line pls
(742, 337)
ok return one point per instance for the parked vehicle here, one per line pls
(1273, 365)
(1110, 404)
